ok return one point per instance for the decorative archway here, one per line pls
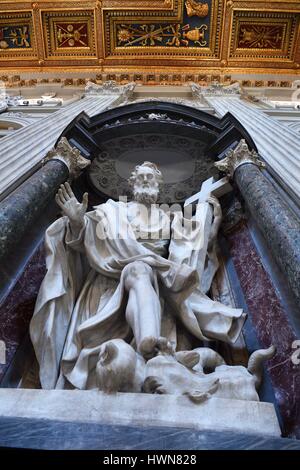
(184, 141)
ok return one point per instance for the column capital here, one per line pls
(3, 106)
(110, 88)
(216, 89)
(69, 155)
(237, 157)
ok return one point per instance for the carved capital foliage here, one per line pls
(216, 89)
(110, 88)
(70, 156)
(3, 106)
(237, 157)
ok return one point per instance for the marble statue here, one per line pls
(198, 374)
(130, 277)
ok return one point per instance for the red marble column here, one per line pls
(272, 326)
(17, 308)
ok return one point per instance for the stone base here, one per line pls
(145, 410)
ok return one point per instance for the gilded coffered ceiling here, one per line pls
(138, 39)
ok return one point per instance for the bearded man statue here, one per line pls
(126, 270)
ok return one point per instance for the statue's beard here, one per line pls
(145, 196)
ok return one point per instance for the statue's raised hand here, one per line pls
(67, 201)
(216, 205)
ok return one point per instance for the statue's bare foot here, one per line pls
(151, 347)
(164, 346)
(148, 347)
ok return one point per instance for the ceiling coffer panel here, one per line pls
(17, 36)
(184, 36)
(69, 33)
(263, 35)
(191, 32)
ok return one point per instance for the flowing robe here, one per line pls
(82, 299)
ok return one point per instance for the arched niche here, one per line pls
(213, 136)
(184, 141)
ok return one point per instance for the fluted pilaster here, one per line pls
(277, 144)
(26, 148)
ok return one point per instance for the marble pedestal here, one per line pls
(217, 414)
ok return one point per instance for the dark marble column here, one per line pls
(20, 210)
(279, 225)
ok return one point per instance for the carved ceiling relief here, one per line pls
(68, 33)
(193, 29)
(15, 81)
(187, 35)
(190, 32)
(16, 34)
(72, 34)
(193, 8)
(263, 34)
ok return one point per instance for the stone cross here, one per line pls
(210, 187)
(204, 213)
